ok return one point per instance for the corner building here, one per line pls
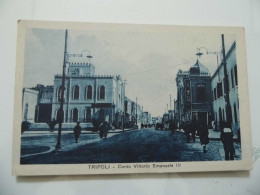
(194, 95)
(88, 97)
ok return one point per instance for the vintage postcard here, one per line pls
(96, 98)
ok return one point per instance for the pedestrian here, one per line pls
(226, 137)
(77, 131)
(100, 129)
(204, 136)
(103, 129)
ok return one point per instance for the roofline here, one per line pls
(231, 49)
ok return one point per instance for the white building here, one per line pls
(29, 104)
(88, 96)
(218, 92)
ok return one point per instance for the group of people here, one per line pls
(194, 127)
(191, 129)
(103, 129)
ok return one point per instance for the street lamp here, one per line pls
(199, 54)
(81, 55)
(124, 98)
(60, 114)
(226, 84)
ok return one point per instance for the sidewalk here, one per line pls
(39, 133)
(48, 147)
(213, 135)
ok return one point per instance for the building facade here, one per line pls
(133, 111)
(218, 92)
(44, 106)
(29, 105)
(193, 95)
(88, 97)
(146, 118)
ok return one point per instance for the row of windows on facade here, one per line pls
(76, 92)
(88, 115)
(221, 115)
(201, 94)
(217, 92)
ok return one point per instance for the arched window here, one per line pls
(56, 114)
(235, 70)
(75, 115)
(102, 92)
(220, 115)
(25, 112)
(59, 91)
(76, 92)
(88, 115)
(89, 92)
(232, 79)
(235, 113)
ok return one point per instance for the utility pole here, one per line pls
(170, 102)
(142, 115)
(60, 114)
(136, 111)
(226, 84)
(124, 83)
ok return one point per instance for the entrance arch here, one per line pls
(75, 114)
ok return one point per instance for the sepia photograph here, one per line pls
(96, 98)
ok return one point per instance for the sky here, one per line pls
(148, 61)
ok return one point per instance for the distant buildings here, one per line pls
(133, 113)
(146, 118)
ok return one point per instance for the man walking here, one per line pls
(103, 129)
(227, 139)
(204, 135)
(77, 131)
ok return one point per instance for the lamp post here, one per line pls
(124, 99)
(226, 84)
(207, 52)
(60, 114)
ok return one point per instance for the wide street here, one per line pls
(145, 145)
